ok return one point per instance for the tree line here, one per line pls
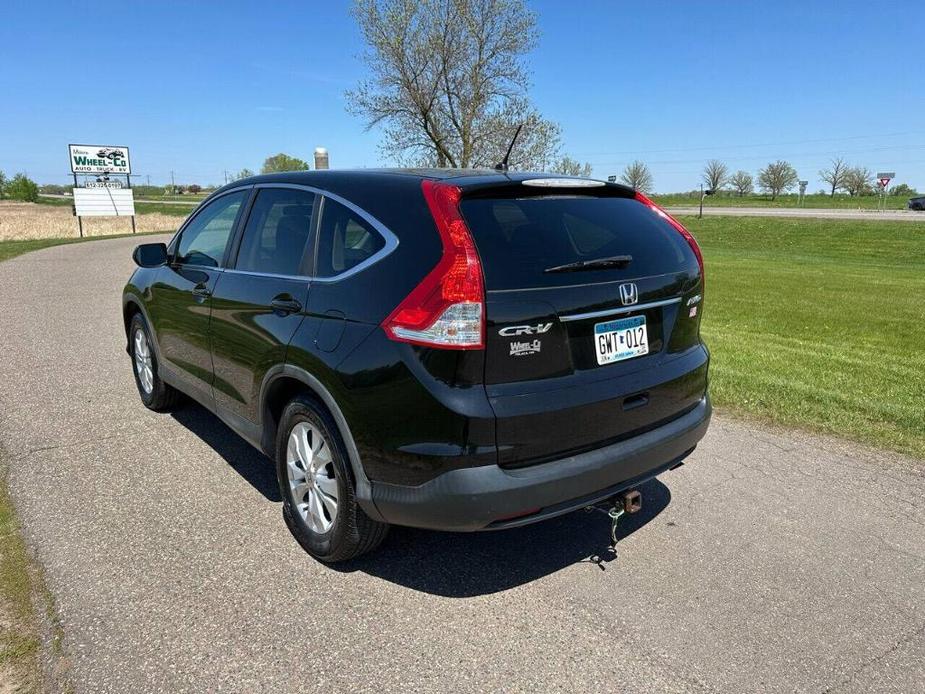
(774, 179)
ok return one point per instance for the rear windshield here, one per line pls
(518, 238)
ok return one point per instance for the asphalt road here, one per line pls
(772, 561)
(820, 213)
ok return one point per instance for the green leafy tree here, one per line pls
(638, 177)
(283, 162)
(22, 188)
(243, 173)
(901, 189)
(2, 184)
(777, 177)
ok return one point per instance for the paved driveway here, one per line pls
(770, 562)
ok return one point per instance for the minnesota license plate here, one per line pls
(621, 339)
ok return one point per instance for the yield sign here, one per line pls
(884, 182)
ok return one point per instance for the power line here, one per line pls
(764, 156)
(745, 145)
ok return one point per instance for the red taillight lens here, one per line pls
(692, 242)
(447, 308)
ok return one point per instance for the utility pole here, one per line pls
(173, 185)
(226, 177)
(148, 178)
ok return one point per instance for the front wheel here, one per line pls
(319, 504)
(155, 394)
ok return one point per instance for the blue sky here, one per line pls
(201, 88)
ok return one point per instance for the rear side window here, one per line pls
(204, 239)
(344, 240)
(519, 238)
(276, 237)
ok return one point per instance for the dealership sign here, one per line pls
(96, 159)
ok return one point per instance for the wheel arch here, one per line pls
(132, 304)
(280, 385)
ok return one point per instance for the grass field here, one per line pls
(52, 218)
(818, 324)
(865, 202)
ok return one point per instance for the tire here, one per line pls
(308, 489)
(155, 394)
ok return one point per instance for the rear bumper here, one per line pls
(480, 498)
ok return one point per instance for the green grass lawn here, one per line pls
(840, 201)
(10, 249)
(818, 324)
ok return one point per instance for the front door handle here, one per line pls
(201, 291)
(285, 304)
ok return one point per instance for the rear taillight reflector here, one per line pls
(447, 308)
(691, 241)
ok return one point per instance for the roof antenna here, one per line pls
(502, 165)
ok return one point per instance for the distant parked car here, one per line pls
(917, 203)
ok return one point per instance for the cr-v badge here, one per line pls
(514, 330)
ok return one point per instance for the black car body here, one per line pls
(448, 324)
(917, 203)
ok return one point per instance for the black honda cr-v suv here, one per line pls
(458, 350)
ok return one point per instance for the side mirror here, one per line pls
(150, 255)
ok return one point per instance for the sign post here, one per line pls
(803, 185)
(883, 180)
(101, 197)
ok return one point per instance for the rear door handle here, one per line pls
(201, 291)
(285, 304)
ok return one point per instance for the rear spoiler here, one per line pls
(545, 186)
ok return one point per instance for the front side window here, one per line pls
(277, 233)
(205, 238)
(344, 240)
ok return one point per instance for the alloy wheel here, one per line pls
(312, 478)
(144, 366)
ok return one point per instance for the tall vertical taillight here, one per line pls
(447, 309)
(691, 241)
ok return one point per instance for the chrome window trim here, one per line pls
(254, 273)
(391, 240)
(622, 309)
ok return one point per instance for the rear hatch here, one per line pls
(579, 357)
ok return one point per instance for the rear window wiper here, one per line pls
(596, 264)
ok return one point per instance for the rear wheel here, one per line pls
(155, 394)
(319, 504)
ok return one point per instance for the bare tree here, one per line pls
(572, 167)
(449, 85)
(777, 177)
(742, 182)
(715, 174)
(637, 176)
(835, 174)
(858, 181)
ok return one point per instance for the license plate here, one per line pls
(617, 340)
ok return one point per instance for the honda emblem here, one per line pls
(629, 295)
